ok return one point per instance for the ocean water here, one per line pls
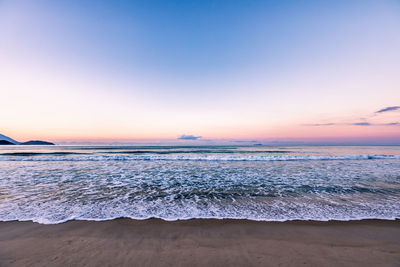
(54, 184)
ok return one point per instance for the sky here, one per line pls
(306, 71)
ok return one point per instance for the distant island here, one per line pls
(37, 142)
(5, 140)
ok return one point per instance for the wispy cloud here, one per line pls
(387, 109)
(356, 124)
(363, 121)
(188, 137)
(321, 124)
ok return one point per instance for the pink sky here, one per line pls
(254, 72)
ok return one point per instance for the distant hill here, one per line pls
(6, 138)
(37, 142)
(5, 142)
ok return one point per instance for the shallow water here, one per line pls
(59, 183)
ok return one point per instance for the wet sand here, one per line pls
(200, 242)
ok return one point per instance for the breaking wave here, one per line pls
(70, 157)
(54, 185)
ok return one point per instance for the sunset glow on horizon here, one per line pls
(143, 71)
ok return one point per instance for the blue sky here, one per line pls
(219, 69)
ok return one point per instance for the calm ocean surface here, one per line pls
(53, 184)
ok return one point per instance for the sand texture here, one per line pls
(126, 242)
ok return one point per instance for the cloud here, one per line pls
(361, 123)
(394, 108)
(321, 124)
(245, 141)
(356, 124)
(188, 137)
(375, 124)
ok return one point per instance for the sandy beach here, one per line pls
(200, 242)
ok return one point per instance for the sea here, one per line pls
(55, 184)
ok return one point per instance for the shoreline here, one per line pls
(199, 242)
(361, 220)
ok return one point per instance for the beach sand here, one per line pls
(200, 242)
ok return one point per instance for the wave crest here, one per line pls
(69, 157)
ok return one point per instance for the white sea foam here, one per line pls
(279, 211)
(48, 188)
(196, 158)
